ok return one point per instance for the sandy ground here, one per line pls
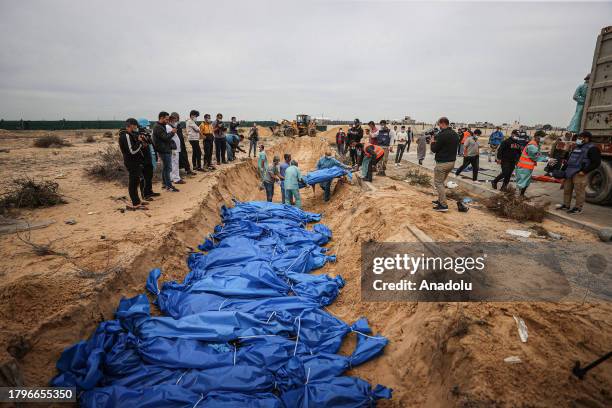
(440, 354)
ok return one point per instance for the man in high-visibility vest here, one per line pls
(372, 154)
(527, 162)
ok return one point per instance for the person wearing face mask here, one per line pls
(172, 127)
(471, 155)
(383, 139)
(194, 135)
(508, 154)
(527, 162)
(206, 129)
(584, 158)
(219, 130)
(580, 97)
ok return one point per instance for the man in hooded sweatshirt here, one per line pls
(508, 154)
(132, 145)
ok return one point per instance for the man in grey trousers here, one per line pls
(444, 145)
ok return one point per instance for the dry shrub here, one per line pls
(510, 205)
(108, 166)
(90, 139)
(108, 134)
(415, 176)
(25, 192)
(51, 141)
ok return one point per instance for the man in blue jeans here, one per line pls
(281, 169)
(327, 162)
(270, 176)
(162, 141)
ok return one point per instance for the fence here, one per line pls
(86, 124)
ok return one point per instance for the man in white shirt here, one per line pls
(400, 140)
(193, 135)
(175, 175)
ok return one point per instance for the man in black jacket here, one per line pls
(508, 154)
(162, 141)
(583, 159)
(444, 145)
(354, 136)
(132, 145)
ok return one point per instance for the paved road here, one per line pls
(594, 214)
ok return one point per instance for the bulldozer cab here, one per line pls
(302, 119)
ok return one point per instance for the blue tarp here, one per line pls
(247, 327)
(323, 175)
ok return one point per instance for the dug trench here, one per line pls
(439, 354)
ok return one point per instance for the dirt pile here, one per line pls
(440, 354)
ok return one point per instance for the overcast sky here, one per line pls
(471, 61)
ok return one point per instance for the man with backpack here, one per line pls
(383, 139)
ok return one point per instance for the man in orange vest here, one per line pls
(372, 154)
(527, 162)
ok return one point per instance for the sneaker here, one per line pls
(441, 208)
(180, 182)
(494, 185)
(173, 189)
(563, 207)
(148, 198)
(154, 195)
(575, 210)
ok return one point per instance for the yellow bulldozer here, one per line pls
(303, 125)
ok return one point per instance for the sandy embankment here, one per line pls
(440, 354)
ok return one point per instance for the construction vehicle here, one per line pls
(597, 119)
(303, 125)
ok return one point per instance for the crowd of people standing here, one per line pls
(368, 150)
(144, 146)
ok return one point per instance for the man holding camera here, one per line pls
(132, 145)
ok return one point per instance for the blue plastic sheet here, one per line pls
(323, 175)
(246, 327)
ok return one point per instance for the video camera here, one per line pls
(145, 133)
